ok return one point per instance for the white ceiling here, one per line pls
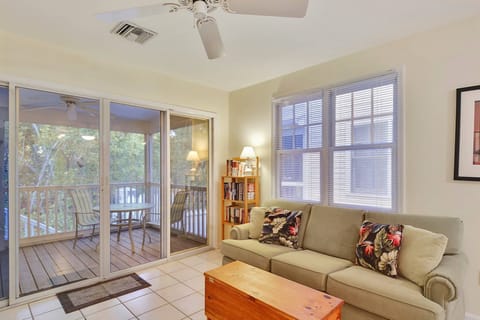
(258, 48)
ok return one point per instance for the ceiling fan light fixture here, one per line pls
(71, 111)
(200, 9)
(88, 138)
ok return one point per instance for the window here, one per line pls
(299, 146)
(349, 147)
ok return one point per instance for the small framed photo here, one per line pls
(467, 134)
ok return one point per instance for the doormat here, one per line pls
(76, 299)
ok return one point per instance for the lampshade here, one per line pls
(193, 156)
(248, 153)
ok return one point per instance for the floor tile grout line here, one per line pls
(135, 315)
(211, 258)
(30, 310)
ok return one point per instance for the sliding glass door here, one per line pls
(189, 165)
(4, 252)
(57, 189)
(67, 215)
(135, 186)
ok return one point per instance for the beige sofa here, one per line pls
(326, 262)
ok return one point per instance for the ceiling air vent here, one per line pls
(132, 32)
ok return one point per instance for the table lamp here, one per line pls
(193, 156)
(249, 154)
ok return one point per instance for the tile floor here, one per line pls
(176, 293)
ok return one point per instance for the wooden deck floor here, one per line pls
(53, 264)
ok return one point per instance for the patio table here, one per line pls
(120, 221)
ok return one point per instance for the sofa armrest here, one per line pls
(240, 231)
(444, 283)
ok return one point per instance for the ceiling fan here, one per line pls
(69, 104)
(206, 24)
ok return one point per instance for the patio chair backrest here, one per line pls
(178, 206)
(82, 200)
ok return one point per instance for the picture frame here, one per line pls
(467, 134)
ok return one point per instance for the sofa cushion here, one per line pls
(378, 247)
(257, 215)
(451, 227)
(421, 252)
(333, 231)
(391, 298)
(350, 312)
(252, 252)
(307, 267)
(294, 206)
(281, 227)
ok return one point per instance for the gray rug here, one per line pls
(76, 299)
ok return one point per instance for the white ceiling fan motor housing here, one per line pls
(200, 9)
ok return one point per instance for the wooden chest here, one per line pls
(240, 291)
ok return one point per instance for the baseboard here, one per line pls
(469, 316)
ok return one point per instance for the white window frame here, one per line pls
(328, 143)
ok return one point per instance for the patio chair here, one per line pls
(177, 209)
(176, 213)
(84, 214)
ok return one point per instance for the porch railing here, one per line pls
(47, 211)
(195, 215)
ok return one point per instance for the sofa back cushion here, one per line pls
(333, 231)
(257, 215)
(451, 227)
(422, 251)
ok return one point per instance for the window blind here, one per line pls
(343, 138)
(363, 127)
(299, 142)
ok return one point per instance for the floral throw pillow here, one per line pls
(281, 227)
(378, 247)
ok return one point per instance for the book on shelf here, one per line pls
(236, 168)
(250, 191)
(236, 191)
(236, 215)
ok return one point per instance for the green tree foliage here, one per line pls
(127, 157)
(56, 155)
(180, 145)
(181, 142)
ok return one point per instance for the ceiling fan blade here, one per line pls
(274, 8)
(93, 112)
(210, 35)
(136, 12)
(35, 108)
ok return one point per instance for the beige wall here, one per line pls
(56, 68)
(434, 64)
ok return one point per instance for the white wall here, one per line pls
(435, 63)
(55, 67)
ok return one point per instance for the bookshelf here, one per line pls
(240, 192)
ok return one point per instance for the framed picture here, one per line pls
(467, 134)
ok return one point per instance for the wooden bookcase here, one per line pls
(240, 192)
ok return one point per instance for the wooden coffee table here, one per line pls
(240, 291)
